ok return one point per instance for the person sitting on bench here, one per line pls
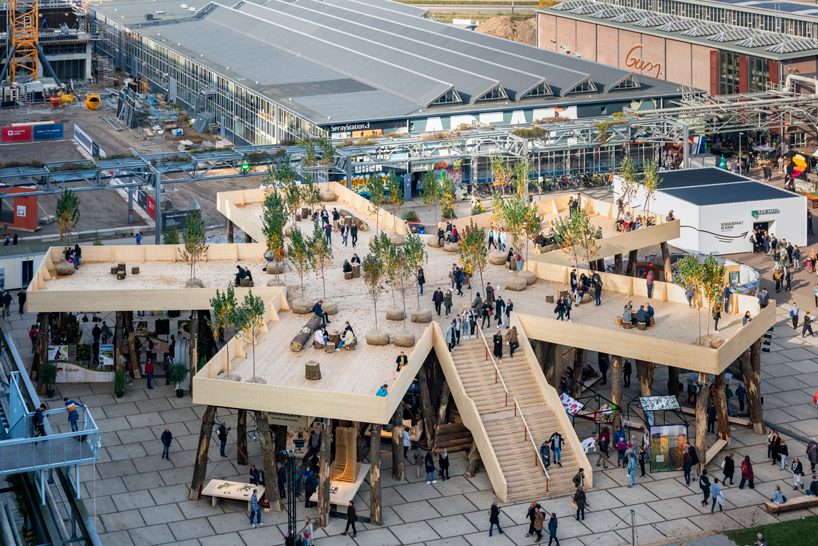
(626, 315)
(441, 236)
(649, 312)
(319, 311)
(641, 316)
(347, 339)
(320, 337)
(355, 259)
(242, 273)
(347, 267)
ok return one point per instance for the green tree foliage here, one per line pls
(310, 193)
(576, 235)
(373, 273)
(432, 191)
(532, 225)
(377, 197)
(690, 276)
(414, 256)
(500, 172)
(169, 237)
(394, 197)
(327, 151)
(712, 283)
(321, 255)
(249, 320)
(650, 182)
(449, 197)
(474, 251)
(224, 316)
(629, 174)
(522, 170)
(195, 247)
(389, 255)
(273, 219)
(300, 255)
(68, 213)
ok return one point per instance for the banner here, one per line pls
(57, 352)
(83, 139)
(53, 131)
(106, 355)
(572, 406)
(18, 133)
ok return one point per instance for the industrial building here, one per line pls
(719, 53)
(351, 68)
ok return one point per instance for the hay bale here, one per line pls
(328, 196)
(275, 268)
(394, 313)
(529, 276)
(301, 306)
(422, 317)
(330, 307)
(376, 337)
(451, 247)
(432, 241)
(194, 283)
(397, 239)
(404, 340)
(497, 258)
(64, 269)
(517, 284)
(257, 379)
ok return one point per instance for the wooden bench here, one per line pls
(797, 503)
(713, 450)
(222, 489)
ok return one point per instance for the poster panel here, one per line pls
(106, 354)
(667, 444)
(57, 353)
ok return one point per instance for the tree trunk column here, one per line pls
(751, 372)
(133, 356)
(194, 347)
(268, 461)
(442, 411)
(200, 465)
(229, 231)
(473, 461)
(666, 262)
(323, 473)
(426, 407)
(43, 336)
(701, 424)
(375, 512)
(241, 438)
(673, 381)
(616, 389)
(618, 264)
(398, 461)
(646, 371)
(720, 400)
(632, 257)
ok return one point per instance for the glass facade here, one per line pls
(243, 114)
(728, 72)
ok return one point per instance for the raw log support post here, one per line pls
(750, 362)
(720, 399)
(241, 438)
(666, 262)
(426, 407)
(579, 364)
(229, 231)
(616, 389)
(398, 462)
(268, 461)
(280, 441)
(194, 347)
(442, 411)
(133, 356)
(323, 473)
(375, 514)
(646, 371)
(200, 465)
(119, 361)
(632, 257)
(618, 264)
(673, 380)
(42, 348)
(701, 424)
(473, 461)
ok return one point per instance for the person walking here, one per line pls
(255, 510)
(437, 299)
(21, 301)
(222, 435)
(552, 529)
(498, 346)
(627, 369)
(73, 413)
(602, 362)
(539, 523)
(530, 516)
(443, 464)
(499, 310)
(687, 466)
(716, 316)
(429, 466)
(797, 474)
(741, 395)
(352, 517)
(353, 231)
(421, 278)
(407, 443)
(794, 313)
(149, 372)
(38, 421)
(643, 458)
(649, 283)
(718, 498)
(783, 452)
(556, 447)
(513, 341)
(631, 469)
(581, 502)
(812, 454)
(704, 485)
(167, 438)
(6, 303)
(138, 238)
(746, 473)
(728, 468)
(807, 325)
(494, 518)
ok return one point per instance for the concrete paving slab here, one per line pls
(411, 533)
(154, 534)
(452, 526)
(455, 504)
(132, 499)
(192, 528)
(154, 515)
(120, 521)
(416, 511)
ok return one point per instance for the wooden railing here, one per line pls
(518, 410)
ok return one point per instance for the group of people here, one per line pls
(321, 337)
(449, 234)
(644, 315)
(629, 222)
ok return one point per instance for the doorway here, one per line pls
(28, 272)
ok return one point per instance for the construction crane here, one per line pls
(23, 40)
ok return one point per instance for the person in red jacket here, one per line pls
(149, 372)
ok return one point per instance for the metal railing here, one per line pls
(518, 410)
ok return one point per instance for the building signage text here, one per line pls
(762, 212)
(633, 59)
(729, 226)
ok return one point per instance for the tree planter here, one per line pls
(328, 196)
(121, 394)
(497, 258)
(422, 316)
(529, 276)
(180, 393)
(404, 340)
(517, 284)
(397, 239)
(376, 337)
(194, 283)
(394, 313)
(275, 268)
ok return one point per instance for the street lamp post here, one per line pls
(739, 153)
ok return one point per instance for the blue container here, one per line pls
(54, 131)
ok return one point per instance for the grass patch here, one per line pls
(789, 533)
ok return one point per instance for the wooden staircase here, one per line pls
(506, 425)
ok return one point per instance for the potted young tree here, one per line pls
(195, 247)
(177, 374)
(273, 218)
(50, 378)
(250, 322)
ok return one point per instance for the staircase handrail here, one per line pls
(517, 408)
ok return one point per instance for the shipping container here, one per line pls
(55, 131)
(19, 133)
